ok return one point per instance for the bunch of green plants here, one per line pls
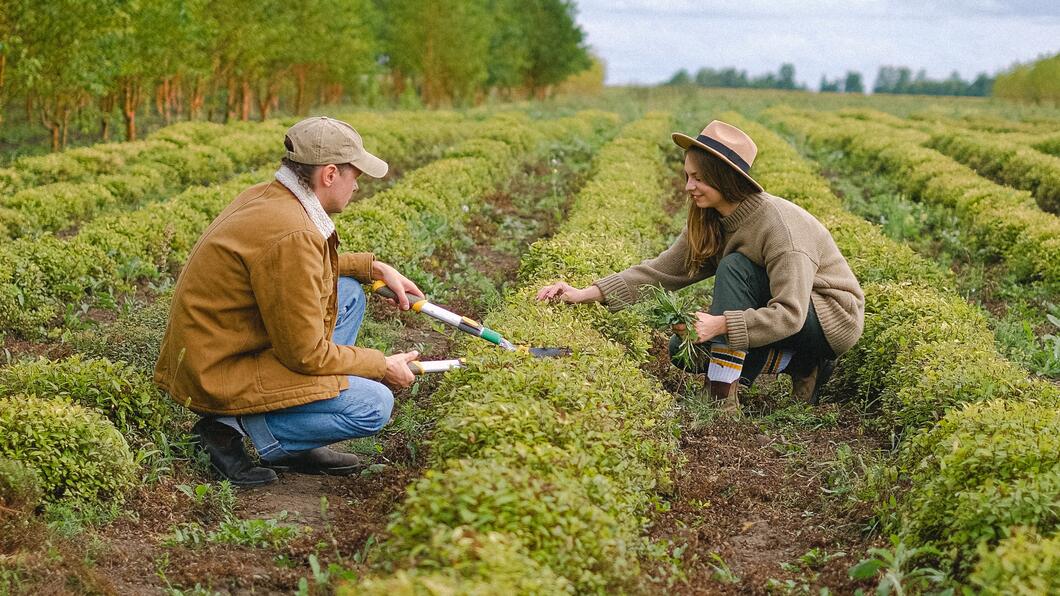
(1026, 563)
(928, 357)
(77, 453)
(664, 309)
(135, 336)
(558, 459)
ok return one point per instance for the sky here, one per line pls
(646, 42)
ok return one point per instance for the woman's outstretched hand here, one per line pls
(565, 292)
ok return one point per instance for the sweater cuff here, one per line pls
(736, 332)
(617, 294)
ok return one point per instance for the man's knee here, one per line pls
(350, 289)
(379, 402)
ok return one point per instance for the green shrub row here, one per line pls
(929, 358)
(543, 470)
(118, 390)
(174, 158)
(76, 452)
(42, 278)
(1004, 221)
(114, 176)
(1007, 163)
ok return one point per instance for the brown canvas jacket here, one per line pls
(254, 310)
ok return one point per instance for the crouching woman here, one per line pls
(785, 298)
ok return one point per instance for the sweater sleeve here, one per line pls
(288, 284)
(668, 270)
(790, 282)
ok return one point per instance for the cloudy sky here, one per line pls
(646, 41)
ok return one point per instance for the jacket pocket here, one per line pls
(271, 376)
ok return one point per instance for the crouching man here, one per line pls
(265, 315)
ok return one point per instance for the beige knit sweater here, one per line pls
(801, 260)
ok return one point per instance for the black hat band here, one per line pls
(726, 152)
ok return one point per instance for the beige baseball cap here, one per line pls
(321, 140)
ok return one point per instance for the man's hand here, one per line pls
(398, 374)
(396, 282)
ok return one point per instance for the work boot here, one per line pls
(726, 395)
(806, 388)
(319, 461)
(225, 447)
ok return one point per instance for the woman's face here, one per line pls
(702, 194)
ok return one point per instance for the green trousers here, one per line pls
(739, 284)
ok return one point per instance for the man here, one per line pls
(265, 314)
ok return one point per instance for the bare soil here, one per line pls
(749, 512)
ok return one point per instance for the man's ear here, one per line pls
(328, 174)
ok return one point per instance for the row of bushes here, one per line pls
(542, 471)
(84, 182)
(42, 278)
(1005, 222)
(108, 397)
(971, 419)
(1005, 162)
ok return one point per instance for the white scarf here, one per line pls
(308, 199)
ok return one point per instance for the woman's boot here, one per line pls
(726, 395)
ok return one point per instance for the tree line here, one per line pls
(889, 79)
(111, 60)
(1036, 82)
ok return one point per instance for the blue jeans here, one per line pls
(360, 410)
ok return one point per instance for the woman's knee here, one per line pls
(734, 264)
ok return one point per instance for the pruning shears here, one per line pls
(465, 324)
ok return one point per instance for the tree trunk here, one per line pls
(65, 123)
(299, 98)
(198, 98)
(130, 100)
(231, 99)
(248, 98)
(106, 107)
(52, 124)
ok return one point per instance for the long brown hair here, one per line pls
(704, 224)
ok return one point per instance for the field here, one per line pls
(934, 463)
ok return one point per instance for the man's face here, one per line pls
(336, 187)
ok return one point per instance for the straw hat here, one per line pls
(726, 141)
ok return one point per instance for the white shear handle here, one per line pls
(435, 366)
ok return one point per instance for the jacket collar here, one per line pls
(308, 199)
(743, 212)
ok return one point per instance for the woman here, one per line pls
(784, 297)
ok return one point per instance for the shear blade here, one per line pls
(549, 352)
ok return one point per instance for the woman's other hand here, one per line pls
(708, 326)
(565, 292)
